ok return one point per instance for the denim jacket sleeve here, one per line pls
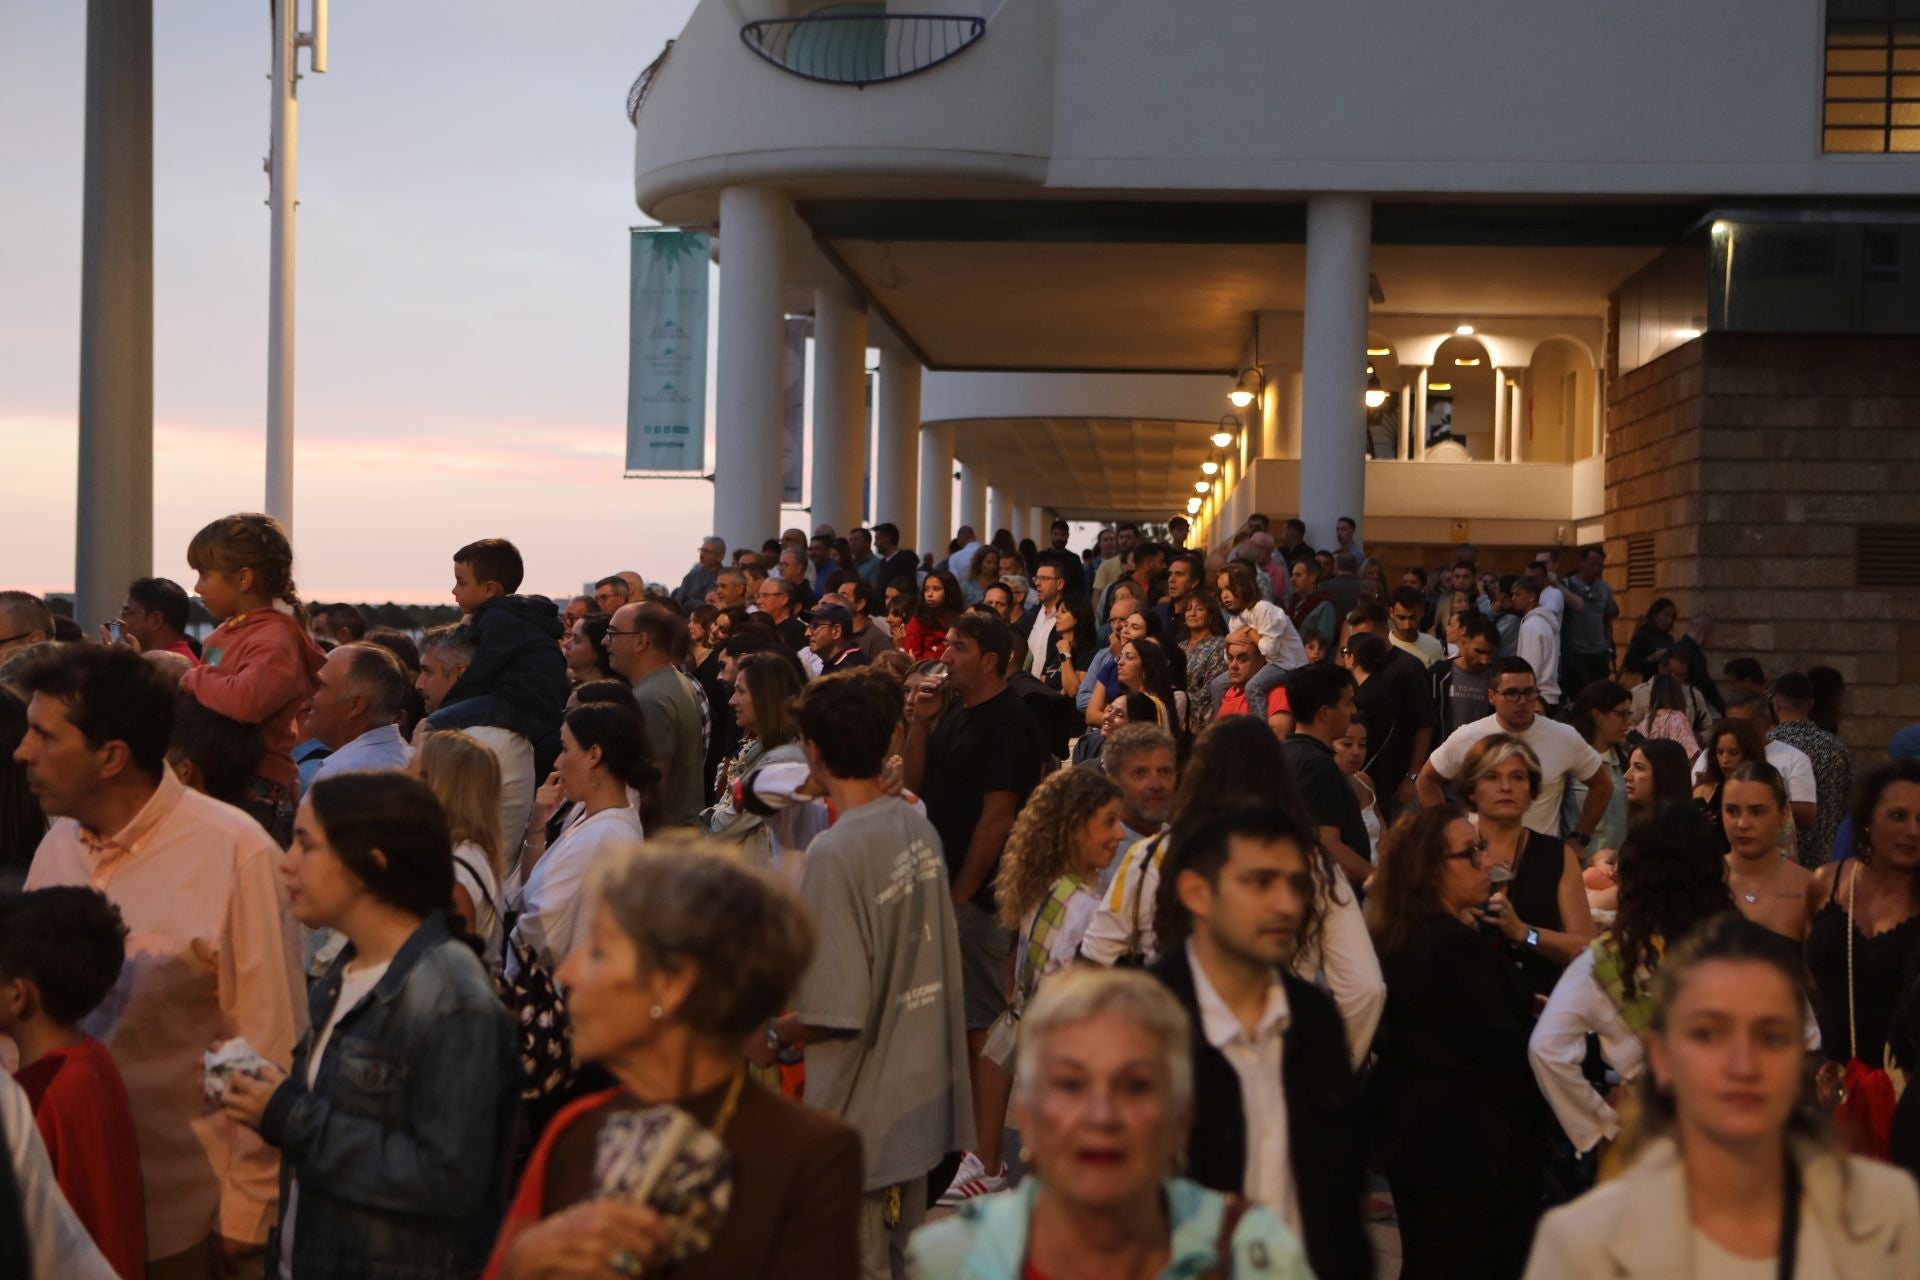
(437, 1153)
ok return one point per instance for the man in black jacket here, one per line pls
(1276, 1107)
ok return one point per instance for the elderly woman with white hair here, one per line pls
(1103, 1096)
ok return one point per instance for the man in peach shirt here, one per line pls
(212, 952)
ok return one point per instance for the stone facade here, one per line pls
(1752, 462)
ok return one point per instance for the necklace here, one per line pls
(728, 1103)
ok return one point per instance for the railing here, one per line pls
(860, 49)
(638, 94)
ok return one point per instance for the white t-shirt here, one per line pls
(1796, 769)
(550, 917)
(1561, 749)
(472, 873)
(517, 783)
(1423, 646)
(355, 986)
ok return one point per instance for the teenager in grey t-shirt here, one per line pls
(886, 970)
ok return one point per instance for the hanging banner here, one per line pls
(667, 352)
(793, 434)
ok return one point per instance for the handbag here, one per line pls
(545, 1033)
(1864, 1114)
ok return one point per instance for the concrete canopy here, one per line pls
(1089, 468)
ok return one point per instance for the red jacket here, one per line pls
(925, 641)
(81, 1106)
(260, 667)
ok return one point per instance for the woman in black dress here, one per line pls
(1541, 909)
(1730, 743)
(1652, 637)
(1454, 1114)
(1863, 949)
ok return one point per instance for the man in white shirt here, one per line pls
(1273, 1113)
(1049, 584)
(356, 710)
(1562, 753)
(1794, 765)
(1539, 638)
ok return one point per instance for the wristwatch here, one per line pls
(773, 1038)
(1533, 939)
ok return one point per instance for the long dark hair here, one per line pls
(624, 753)
(1672, 773)
(396, 814)
(1654, 610)
(1235, 761)
(1867, 796)
(1744, 732)
(594, 627)
(1601, 695)
(1406, 889)
(1829, 686)
(1672, 880)
(951, 606)
(1154, 677)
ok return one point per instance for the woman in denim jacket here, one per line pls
(395, 1119)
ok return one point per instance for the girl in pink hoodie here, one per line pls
(260, 666)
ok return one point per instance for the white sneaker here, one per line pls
(971, 1180)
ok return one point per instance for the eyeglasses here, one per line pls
(615, 631)
(10, 639)
(1473, 853)
(1517, 695)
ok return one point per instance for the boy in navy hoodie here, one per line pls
(518, 677)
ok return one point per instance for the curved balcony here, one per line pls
(643, 82)
(860, 49)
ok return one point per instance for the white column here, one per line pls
(895, 496)
(282, 201)
(115, 495)
(999, 513)
(1516, 422)
(1500, 415)
(1333, 360)
(1420, 415)
(1017, 521)
(748, 403)
(1038, 529)
(1406, 420)
(936, 489)
(839, 406)
(973, 498)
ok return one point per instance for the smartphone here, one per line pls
(1501, 878)
(116, 630)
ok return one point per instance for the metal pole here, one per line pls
(115, 496)
(282, 166)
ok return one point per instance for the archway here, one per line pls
(1556, 405)
(1460, 397)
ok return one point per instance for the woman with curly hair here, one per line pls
(1671, 882)
(1203, 632)
(1047, 885)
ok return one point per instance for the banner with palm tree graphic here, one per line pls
(667, 353)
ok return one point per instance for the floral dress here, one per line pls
(1205, 661)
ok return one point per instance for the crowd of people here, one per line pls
(1001, 911)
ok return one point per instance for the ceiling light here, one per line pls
(1686, 335)
(1209, 468)
(1379, 351)
(1439, 386)
(1464, 331)
(1466, 363)
(1245, 388)
(1376, 394)
(1201, 486)
(1193, 506)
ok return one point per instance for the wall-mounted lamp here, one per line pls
(1226, 432)
(1376, 394)
(1193, 506)
(1201, 486)
(1246, 388)
(1209, 468)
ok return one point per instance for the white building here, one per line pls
(1088, 221)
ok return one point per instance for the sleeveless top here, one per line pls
(1535, 895)
(1882, 966)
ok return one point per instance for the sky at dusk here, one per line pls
(466, 188)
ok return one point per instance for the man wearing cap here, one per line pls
(830, 636)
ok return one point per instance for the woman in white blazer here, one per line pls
(1733, 1178)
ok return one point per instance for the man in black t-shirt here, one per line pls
(1395, 702)
(974, 767)
(1321, 699)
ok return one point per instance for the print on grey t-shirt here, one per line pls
(886, 969)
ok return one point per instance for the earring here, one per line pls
(657, 1013)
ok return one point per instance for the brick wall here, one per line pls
(1751, 461)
